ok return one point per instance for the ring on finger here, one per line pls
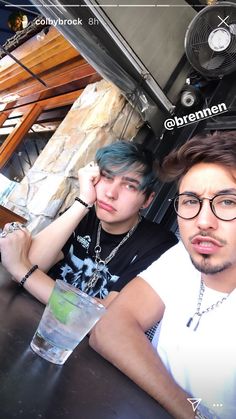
(3, 234)
(18, 226)
(14, 226)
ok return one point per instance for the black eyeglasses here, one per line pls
(188, 206)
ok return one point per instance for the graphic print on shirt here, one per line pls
(77, 272)
(84, 241)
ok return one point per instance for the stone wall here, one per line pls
(96, 118)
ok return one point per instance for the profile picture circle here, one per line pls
(17, 21)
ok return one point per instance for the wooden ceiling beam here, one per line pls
(62, 100)
(46, 116)
(24, 76)
(41, 57)
(49, 103)
(29, 46)
(44, 64)
(16, 136)
(53, 114)
(65, 74)
(3, 117)
(55, 91)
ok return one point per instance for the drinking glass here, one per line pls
(69, 315)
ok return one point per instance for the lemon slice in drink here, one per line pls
(62, 305)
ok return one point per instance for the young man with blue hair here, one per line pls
(101, 242)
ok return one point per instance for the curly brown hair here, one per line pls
(219, 148)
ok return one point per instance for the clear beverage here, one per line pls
(69, 315)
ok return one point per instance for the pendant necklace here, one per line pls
(194, 321)
(99, 263)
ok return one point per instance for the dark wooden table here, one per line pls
(86, 387)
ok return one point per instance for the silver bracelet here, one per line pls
(88, 206)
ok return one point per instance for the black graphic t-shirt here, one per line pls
(145, 245)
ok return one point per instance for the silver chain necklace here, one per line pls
(99, 263)
(194, 321)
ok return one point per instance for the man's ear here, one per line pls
(148, 200)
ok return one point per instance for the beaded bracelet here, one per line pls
(21, 283)
(88, 206)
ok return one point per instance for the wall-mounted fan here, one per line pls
(210, 41)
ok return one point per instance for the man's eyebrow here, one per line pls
(227, 191)
(189, 193)
(131, 179)
(222, 191)
(109, 172)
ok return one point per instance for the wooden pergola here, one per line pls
(62, 74)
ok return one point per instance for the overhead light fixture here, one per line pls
(41, 35)
(9, 98)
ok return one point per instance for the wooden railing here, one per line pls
(7, 216)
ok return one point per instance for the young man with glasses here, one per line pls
(101, 242)
(191, 288)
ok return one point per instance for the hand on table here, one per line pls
(15, 241)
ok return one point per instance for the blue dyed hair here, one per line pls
(125, 156)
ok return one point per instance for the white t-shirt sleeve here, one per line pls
(166, 273)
